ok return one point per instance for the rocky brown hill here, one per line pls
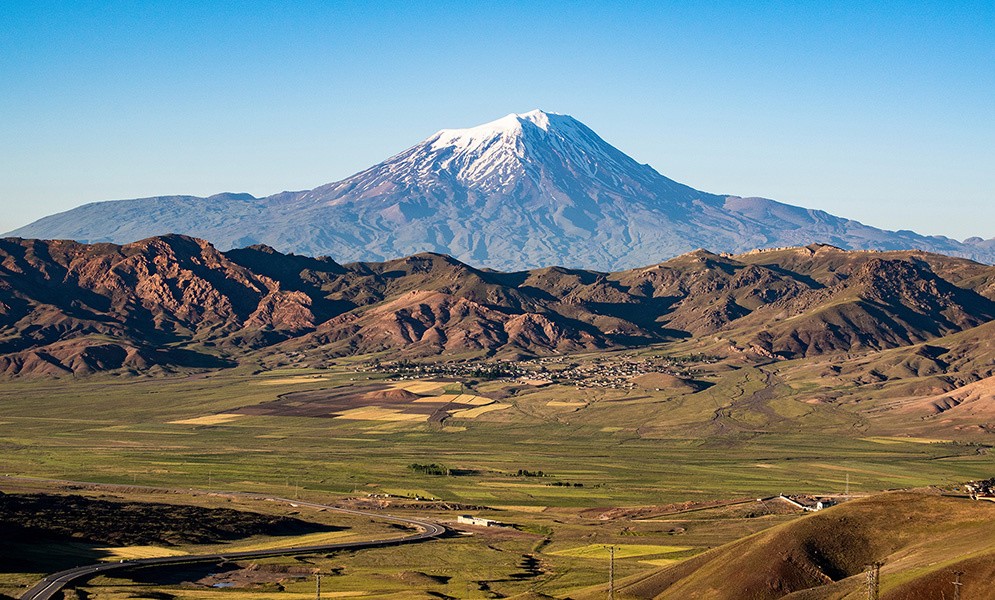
(176, 303)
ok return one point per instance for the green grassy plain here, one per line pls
(624, 447)
(752, 433)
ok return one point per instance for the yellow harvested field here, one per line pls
(522, 509)
(468, 399)
(312, 539)
(376, 413)
(600, 551)
(878, 440)
(473, 413)
(289, 380)
(441, 399)
(420, 387)
(567, 403)
(123, 552)
(536, 382)
(900, 440)
(472, 400)
(661, 562)
(218, 419)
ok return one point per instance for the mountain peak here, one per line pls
(539, 118)
(527, 189)
(551, 150)
(506, 135)
(512, 124)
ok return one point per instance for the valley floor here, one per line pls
(666, 469)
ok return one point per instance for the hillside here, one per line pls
(524, 191)
(177, 303)
(920, 539)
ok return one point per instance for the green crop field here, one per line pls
(748, 435)
(624, 447)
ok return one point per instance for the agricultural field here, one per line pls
(749, 433)
(540, 550)
(664, 470)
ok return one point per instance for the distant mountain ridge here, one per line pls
(176, 304)
(524, 191)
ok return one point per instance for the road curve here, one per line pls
(48, 587)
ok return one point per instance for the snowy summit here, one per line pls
(526, 190)
(538, 150)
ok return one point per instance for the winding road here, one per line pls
(52, 585)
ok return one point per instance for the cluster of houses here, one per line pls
(984, 489)
(614, 372)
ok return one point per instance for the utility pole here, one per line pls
(317, 586)
(873, 571)
(611, 572)
(957, 584)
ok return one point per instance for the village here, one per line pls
(615, 372)
(981, 490)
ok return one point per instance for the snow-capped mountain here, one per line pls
(523, 191)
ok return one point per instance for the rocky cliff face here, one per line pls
(71, 307)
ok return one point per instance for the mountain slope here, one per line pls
(175, 301)
(877, 304)
(920, 539)
(72, 308)
(523, 191)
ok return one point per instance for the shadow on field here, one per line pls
(44, 533)
(178, 574)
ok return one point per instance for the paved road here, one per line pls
(52, 585)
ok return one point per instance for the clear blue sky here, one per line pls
(879, 111)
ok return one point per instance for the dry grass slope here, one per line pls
(920, 538)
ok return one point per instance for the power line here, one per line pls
(611, 572)
(873, 571)
(957, 584)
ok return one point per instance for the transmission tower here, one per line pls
(611, 572)
(873, 571)
(957, 584)
(317, 586)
